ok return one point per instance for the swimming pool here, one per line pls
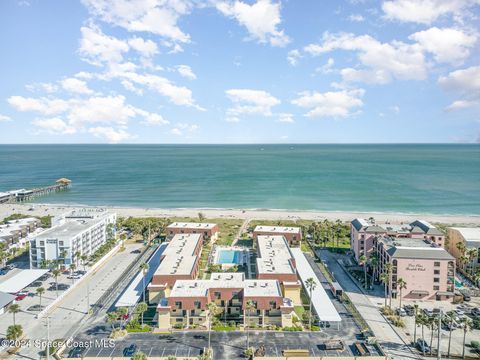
(229, 257)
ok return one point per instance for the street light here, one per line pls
(48, 338)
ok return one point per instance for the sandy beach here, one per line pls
(260, 214)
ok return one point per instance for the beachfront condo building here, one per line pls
(275, 261)
(292, 234)
(179, 261)
(80, 231)
(363, 233)
(208, 231)
(14, 233)
(427, 269)
(182, 298)
(231, 292)
(464, 245)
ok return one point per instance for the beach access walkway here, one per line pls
(388, 338)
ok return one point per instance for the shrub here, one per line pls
(386, 310)
(178, 326)
(475, 344)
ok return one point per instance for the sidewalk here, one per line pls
(388, 337)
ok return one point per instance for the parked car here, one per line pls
(74, 276)
(21, 295)
(129, 351)
(80, 272)
(401, 312)
(123, 317)
(459, 312)
(475, 312)
(3, 271)
(422, 346)
(466, 296)
(410, 310)
(428, 312)
(10, 266)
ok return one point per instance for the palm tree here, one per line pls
(72, 268)
(472, 255)
(40, 292)
(141, 308)
(112, 318)
(144, 267)
(388, 270)
(401, 284)
(201, 217)
(84, 259)
(63, 255)
(467, 324)
(212, 308)
(431, 321)
(56, 273)
(363, 261)
(450, 318)
(13, 309)
(422, 320)
(14, 332)
(250, 306)
(122, 312)
(415, 309)
(310, 284)
(77, 257)
(373, 263)
(384, 277)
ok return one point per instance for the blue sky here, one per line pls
(239, 71)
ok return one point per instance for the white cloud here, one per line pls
(261, 19)
(152, 118)
(447, 45)
(331, 103)
(44, 106)
(286, 118)
(327, 67)
(98, 49)
(113, 136)
(5, 118)
(356, 18)
(146, 48)
(425, 11)
(293, 57)
(467, 83)
(76, 86)
(232, 119)
(183, 128)
(381, 61)
(186, 71)
(47, 87)
(159, 17)
(54, 126)
(250, 102)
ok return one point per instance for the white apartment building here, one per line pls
(82, 231)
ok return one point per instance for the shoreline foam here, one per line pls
(42, 209)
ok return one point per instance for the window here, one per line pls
(273, 304)
(42, 243)
(197, 304)
(178, 304)
(436, 263)
(436, 272)
(436, 280)
(436, 287)
(217, 295)
(61, 243)
(362, 242)
(235, 295)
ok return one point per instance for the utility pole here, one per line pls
(439, 351)
(48, 338)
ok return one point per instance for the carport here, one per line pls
(132, 294)
(21, 280)
(320, 300)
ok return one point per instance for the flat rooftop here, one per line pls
(274, 256)
(469, 234)
(250, 287)
(192, 225)
(277, 229)
(15, 225)
(414, 249)
(71, 227)
(21, 280)
(179, 256)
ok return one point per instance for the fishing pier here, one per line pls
(21, 195)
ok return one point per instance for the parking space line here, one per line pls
(163, 351)
(150, 351)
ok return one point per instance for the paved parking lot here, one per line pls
(226, 345)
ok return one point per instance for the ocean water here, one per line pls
(440, 179)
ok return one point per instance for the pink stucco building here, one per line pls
(427, 269)
(363, 233)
